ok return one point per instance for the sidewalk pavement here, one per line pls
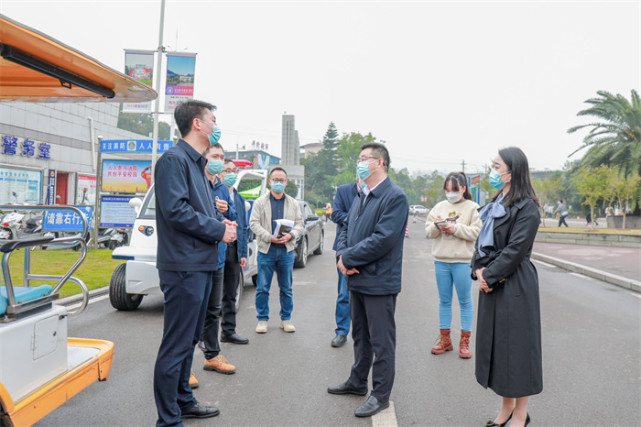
(619, 266)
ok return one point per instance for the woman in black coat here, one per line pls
(508, 337)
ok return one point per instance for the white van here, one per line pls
(138, 277)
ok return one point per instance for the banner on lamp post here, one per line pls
(139, 65)
(179, 87)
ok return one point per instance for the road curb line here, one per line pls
(624, 282)
(78, 297)
(386, 418)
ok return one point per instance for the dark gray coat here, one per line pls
(508, 334)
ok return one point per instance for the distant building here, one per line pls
(260, 159)
(311, 148)
(290, 143)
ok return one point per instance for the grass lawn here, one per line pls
(591, 230)
(95, 271)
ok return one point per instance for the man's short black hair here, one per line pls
(379, 150)
(187, 111)
(229, 161)
(277, 168)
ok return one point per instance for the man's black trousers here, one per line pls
(209, 336)
(374, 334)
(186, 295)
(232, 275)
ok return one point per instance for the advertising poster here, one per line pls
(126, 176)
(20, 185)
(139, 65)
(116, 212)
(180, 79)
(133, 146)
(86, 191)
(66, 220)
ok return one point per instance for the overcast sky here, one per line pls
(440, 82)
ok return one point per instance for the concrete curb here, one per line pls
(78, 297)
(624, 282)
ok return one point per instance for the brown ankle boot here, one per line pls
(444, 344)
(464, 352)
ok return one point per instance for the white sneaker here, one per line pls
(287, 326)
(261, 328)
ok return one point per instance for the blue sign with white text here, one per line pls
(133, 146)
(68, 220)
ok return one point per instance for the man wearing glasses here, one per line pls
(275, 252)
(370, 254)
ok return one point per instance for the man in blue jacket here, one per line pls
(343, 199)
(235, 258)
(188, 234)
(209, 344)
(370, 254)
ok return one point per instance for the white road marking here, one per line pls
(545, 264)
(581, 276)
(638, 295)
(386, 418)
(91, 301)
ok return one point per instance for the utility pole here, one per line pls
(154, 145)
(463, 166)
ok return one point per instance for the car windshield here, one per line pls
(148, 210)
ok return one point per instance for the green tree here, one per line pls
(592, 184)
(615, 140)
(291, 189)
(142, 124)
(547, 190)
(625, 190)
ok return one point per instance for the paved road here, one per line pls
(591, 349)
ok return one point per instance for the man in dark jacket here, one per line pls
(343, 199)
(188, 234)
(235, 258)
(370, 254)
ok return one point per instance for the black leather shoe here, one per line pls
(346, 388)
(371, 407)
(339, 340)
(491, 423)
(234, 339)
(200, 411)
(201, 345)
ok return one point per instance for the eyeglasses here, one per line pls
(230, 170)
(364, 159)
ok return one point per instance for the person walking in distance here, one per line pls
(345, 195)
(275, 252)
(562, 212)
(370, 254)
(188, 237)
(454, 224)
(508, 328)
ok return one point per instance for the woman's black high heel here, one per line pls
(491, 423)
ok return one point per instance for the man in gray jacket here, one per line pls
(275, 252)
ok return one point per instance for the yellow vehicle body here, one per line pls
(37, 68)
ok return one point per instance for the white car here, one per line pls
(418, 210)
(138, 277)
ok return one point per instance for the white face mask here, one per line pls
(453, 197)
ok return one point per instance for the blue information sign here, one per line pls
(133, 146)
(116, 212)
(66, 220)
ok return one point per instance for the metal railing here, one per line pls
(29, 244)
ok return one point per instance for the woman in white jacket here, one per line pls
(454, 224)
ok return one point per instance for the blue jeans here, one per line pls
(343, 318)
(457, 274)
(283, 262)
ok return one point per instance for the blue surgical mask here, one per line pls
(363, 185)
(495, 179)
(362, 170)
(278, 187)
(215, 166)
(214, 136)
(230, 179)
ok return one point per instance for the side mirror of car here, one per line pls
(135, 204)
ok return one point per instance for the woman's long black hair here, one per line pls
(520, 185)
(458, 180)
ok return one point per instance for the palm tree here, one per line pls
(615, 141)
